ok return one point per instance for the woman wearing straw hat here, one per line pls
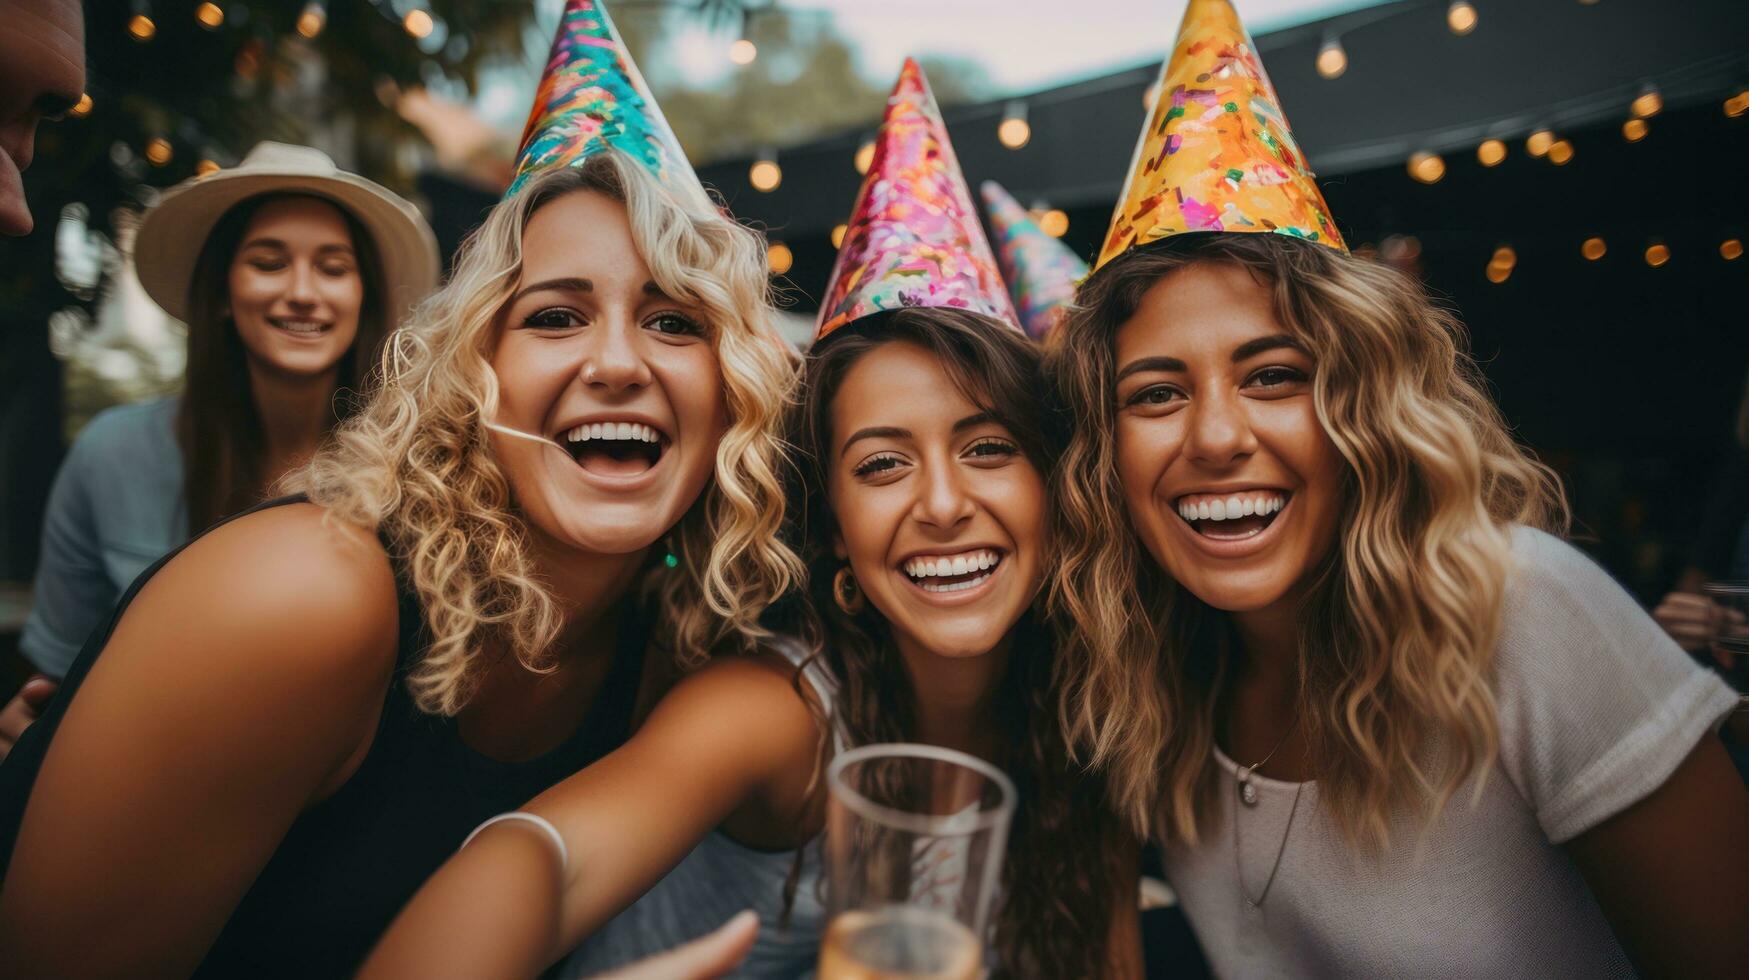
(289, 272)
(563, 491)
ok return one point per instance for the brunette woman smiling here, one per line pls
(292, 721)
(1323, 634)
(922, 504)
(289, 273)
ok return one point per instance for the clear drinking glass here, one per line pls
(1730, 642)
(915, 837)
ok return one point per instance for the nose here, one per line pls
(1220, 431)
(302, 293)
(613, 356)
(942, 501)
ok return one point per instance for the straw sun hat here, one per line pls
(172, 233)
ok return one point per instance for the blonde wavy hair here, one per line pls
(1397, 635)
(415, 462)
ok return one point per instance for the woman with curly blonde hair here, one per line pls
(571, 456)
(1322, 634)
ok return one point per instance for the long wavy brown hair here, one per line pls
(416, 462)
(1397, 634)
(1058, 876)
(218, 426)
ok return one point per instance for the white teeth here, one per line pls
(1230, 508)
(954, 586)
(942, 567)
(613, 430)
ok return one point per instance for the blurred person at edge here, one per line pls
(289, 274)
(296, 718)
(1720, 553)
(42, 76)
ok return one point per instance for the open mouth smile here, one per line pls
(1232, 516)
(300, 328)
(950, 574)
(617, 450)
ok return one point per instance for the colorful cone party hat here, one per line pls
(913, 238)
(1217, 154)
(592, 97)
(1041, 271)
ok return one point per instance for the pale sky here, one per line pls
(1023, 45)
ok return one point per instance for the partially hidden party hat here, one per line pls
(1041, 270)
(591, 97)
(1217, 154)
(913, 238)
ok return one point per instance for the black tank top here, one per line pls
(349, 863)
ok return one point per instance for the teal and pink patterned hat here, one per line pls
(913, 238)
(1041, 270)
(592, 97)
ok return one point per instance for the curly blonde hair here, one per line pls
(415, 462)
(1397, 635)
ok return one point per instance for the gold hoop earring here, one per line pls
(846, 593)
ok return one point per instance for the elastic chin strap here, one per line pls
(543, 440)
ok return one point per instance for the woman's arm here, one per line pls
(73, 591)
(242, 685)
(732, 738)
(1672, 871)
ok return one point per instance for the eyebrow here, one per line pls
(894, 432)
(572, 285)
(1252, 348)
(1151, 364)
(276, 243)
(1245, 351)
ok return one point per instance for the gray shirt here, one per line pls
(116, 508)
(1596, 705)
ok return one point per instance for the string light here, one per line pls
(205, 167)
(1054, 223)
(159, 151)
(1426, 167)
(1731, 249)
(1560, 151)
(1539, 142)
(1332, 59)
(142, 28)
(838, 236)
(1634, 130)
(1014, 131)
(82, 108)
(1500, 266)
(1491, 152)
(1593, 249)
(1461, 17)
(418, 23)
(778, 258)
(1657, 254)
(765, 175)
(864, 156)
(210, 15)
(743, 52)
(312, 20)
(1648, 104)
(1737, 104)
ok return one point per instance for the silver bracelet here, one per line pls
(543, 823)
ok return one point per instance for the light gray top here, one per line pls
(1597, 706)
(116, 508)
(718, 879)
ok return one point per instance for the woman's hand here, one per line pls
(1688, 617)
(704, 958)
(23, 709)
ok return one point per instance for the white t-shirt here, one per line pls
(1597, 707)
